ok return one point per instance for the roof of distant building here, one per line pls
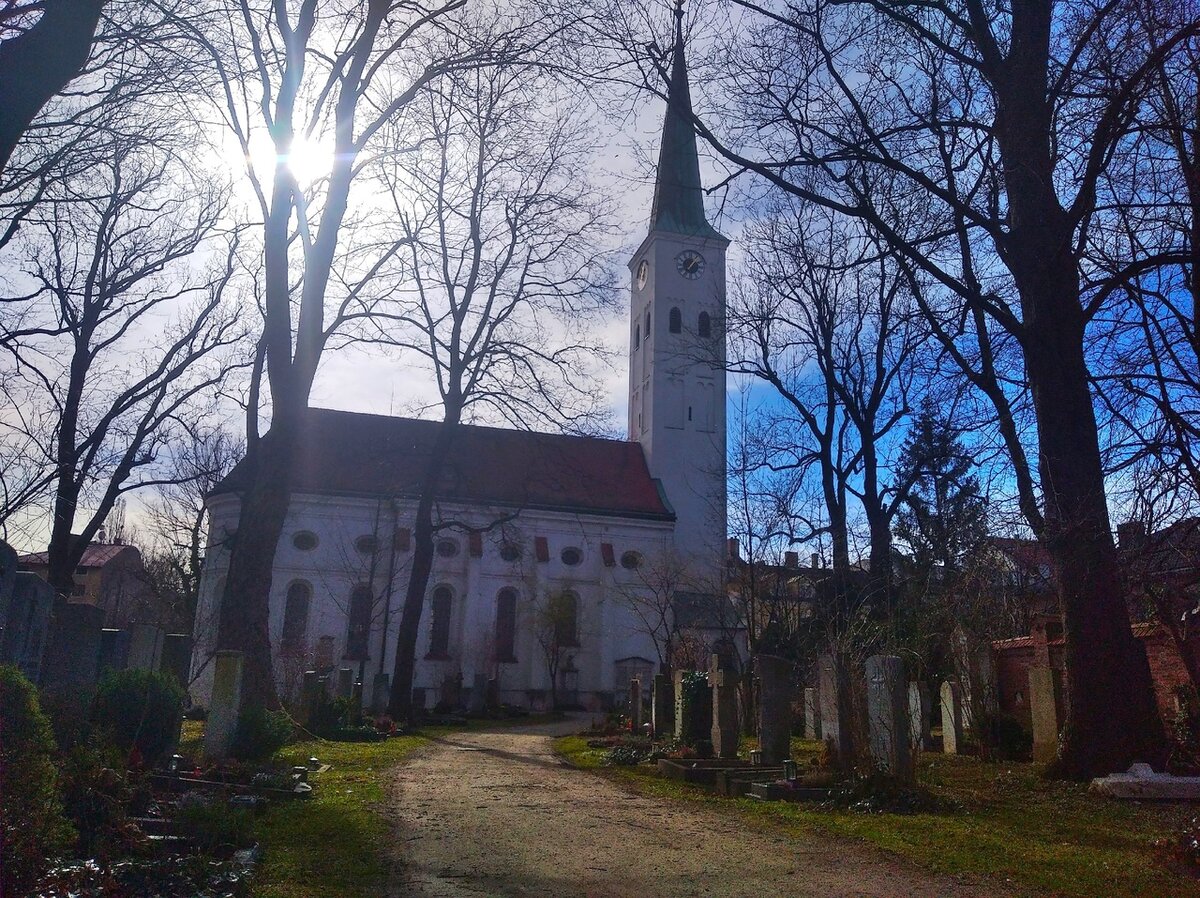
(350, 453)
(95, 555)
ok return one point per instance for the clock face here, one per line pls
(690, 264)
(643, 270)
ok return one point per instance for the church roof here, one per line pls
(678, 195)
(352, 453)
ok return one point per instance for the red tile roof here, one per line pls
(95, 555)
(352, 453)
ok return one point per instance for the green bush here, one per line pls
(142, 709)
(96, 794)
(213, 827)
(32, 827)
(260, 734)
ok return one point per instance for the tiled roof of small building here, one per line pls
(95, 555)
(358, 454)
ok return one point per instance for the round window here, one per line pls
(631, 561)
(447, 548)
(367, 545)
(305, 540)
(510, 553)
(571, 556)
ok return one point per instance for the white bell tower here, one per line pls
(677, 340)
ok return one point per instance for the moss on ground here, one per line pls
(1045, 838)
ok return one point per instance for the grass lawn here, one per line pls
(1046, 838)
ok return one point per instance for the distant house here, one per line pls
(111, 576)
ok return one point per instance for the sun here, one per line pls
(309, 159)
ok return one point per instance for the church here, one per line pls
(526, 516)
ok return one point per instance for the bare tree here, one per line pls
(650, 594)
(119, 325)
(496, 273)
(554, 621)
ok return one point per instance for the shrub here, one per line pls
(1004, 738)
(96, 792)
(140, 709)
(32, 826)
(260, 734)
(213, 827)
(1185, 733)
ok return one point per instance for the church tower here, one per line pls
(677, 339)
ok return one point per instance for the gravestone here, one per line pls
(493, 693)
(72, 657)
(812, 714)
(8, 576)
(722, 679)
(693, 713)
(635, 706)
(952, 718)
(478, 700)
(311, 693)
(775, 708)
(24, 639)
(680, 711)
(919, 711)
(662, 706)
(176, 652)
(114, 650)
(1043, 712)
(418, 699)
(145, 647)
(450, 696)
(226, 703)
(833, 689)
(345, 682)
(888, 722)
(380, 692)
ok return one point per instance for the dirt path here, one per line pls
(496, 813)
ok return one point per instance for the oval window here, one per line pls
(510, 553)
(631, 561)
(367, 544)
(447, 548)
(305, 540)
(571, 556)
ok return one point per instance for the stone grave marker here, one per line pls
(8, 576)
(24, 639)
(635, 706)
(311, 692)
(114, 650)
(833, 689)
(176, 654)
(226, 703)
(888, 721)
(722, 679)
(662, 706)
(812, 714)
(919, 711)
(1044, 685)
(952, 718)
(477, 703)
(775, 708)
(679, 708)
(380, 692)
(145, 647)
(345, 682)
(72, 656)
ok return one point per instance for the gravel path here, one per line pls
(496, 813)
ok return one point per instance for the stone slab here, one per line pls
(226, 704)
(887, 714)
(952, 718)
(1141, 783)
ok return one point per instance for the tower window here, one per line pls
(647, 322)
(637, 336)
(675, 323)
(359, 625)
(295, 618)
(439, 637)
(564, 611)
(704, 327)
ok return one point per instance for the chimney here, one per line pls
(815, 561)
(791, 559)
(1131, 535)
(734, 548)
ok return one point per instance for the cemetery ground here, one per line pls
(1004, 824)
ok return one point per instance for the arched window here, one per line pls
(647, 322)
(704, 326)
(675, 321)
(637, 336)
(359, 625)
(439, 637)
(506, 625)
(295, 617)
(566, 619)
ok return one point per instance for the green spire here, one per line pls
(678, 197)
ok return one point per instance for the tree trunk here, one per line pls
(400, 699)
(245, 625)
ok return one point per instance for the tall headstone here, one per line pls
(919, 712)
(24, 641)
(311, 695)
(72, 657)
(176, 652)
(635, 706)
(725, 730)
(114, 650)
(679, 707)
(8, 576)
(226, 704)
(774, 708)
(1043, 712)
(662, 706)
(888, 721)
(345, 682)
(812, 714)
(145, 647)
(837, 728)
(380, 692)
(952, 718)
(477, 703)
